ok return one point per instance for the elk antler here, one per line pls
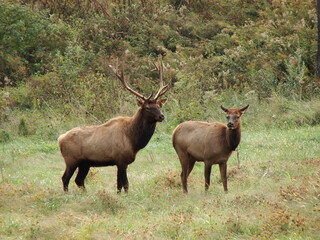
(162, 89)
(121, 78)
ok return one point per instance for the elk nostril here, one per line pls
(230, 124)
(161, 117)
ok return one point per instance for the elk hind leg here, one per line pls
(67, 175)
(187, 164)
(192, 161)
(83, 170)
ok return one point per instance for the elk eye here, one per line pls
(228, 117)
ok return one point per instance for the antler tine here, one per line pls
(162, 89)
(121, 78)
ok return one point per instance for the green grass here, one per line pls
(274, 193)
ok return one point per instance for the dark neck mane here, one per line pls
(234, 137)
(141, 130)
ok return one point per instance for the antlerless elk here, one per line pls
(113, 143)
(211, 143)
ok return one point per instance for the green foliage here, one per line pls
(27, 38)
(4, 136)
(21, 97)
(211, 50)
(54, 75)
(295, 76)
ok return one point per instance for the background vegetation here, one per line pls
(54, 76)
(55, 53)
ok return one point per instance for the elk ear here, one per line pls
(140, 102)
(224, 109)
(244, 109)
(162, 101)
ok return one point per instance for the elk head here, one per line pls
(151, 107)
(233, 116)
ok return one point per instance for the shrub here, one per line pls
(21, 97)
(27, 36)
(4, 136)
(214, 51)
(23, 129)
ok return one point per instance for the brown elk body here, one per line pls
(211, 143)
(113, 143)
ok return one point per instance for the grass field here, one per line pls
(274, 193)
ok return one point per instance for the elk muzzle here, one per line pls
(230, 125)
(160, 118)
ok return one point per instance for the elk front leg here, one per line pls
(122, 179)
(207, 173)
(125, 182)
(223, 173)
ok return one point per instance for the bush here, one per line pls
(4, 136)
(27, 37)
(213, 51)
(23, 129)
(21, 97)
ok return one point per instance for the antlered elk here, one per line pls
(211, 143)
(113, 143)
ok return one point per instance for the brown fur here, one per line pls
(211, 143)
(113, 143)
